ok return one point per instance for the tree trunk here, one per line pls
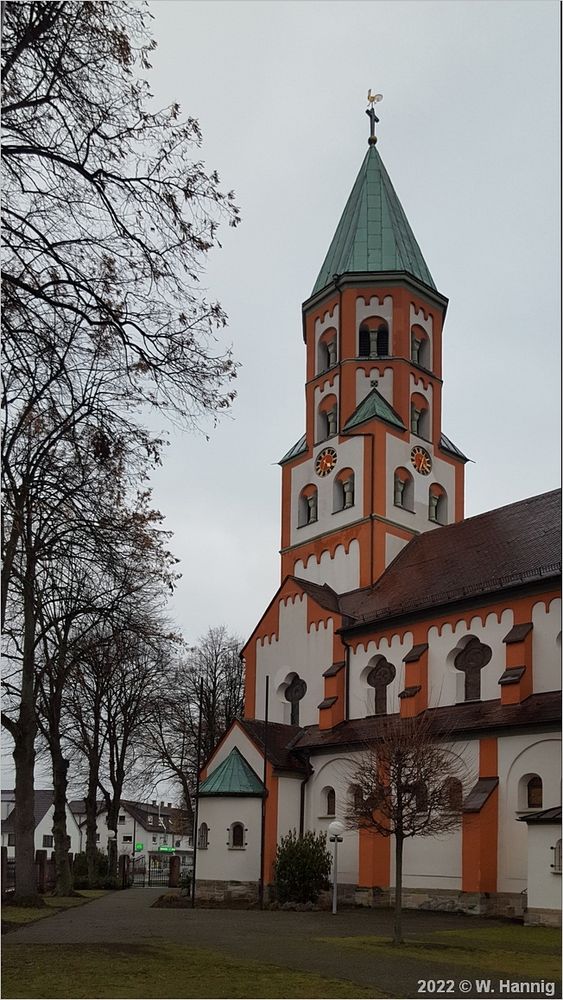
(63, 876)
(398, 922)
(91, 824)
(24, 746)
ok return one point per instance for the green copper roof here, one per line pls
(232, 777)
(374, 405)
(373, 233)
(299, 447)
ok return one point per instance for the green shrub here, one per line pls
(80, 871)
(302, 867)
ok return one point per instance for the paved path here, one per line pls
(281, 938)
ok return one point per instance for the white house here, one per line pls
(43, 810)
(143, 829)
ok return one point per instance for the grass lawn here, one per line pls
(154, 971)
(525, 952)
(18, 915)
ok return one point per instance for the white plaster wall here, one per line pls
(361, 694)
(336, 772)
(384, 384)
(417, 385)
(289, 798)
(341, 571)
(350, 454)
(518, 755)
(375, 307)
(237, 738)
(219, 861)
(546, 649)
(431, 862)
(445, 683)
(295, 651)
(399, 454)
(329, 319)
(393, 545)
(544, 884)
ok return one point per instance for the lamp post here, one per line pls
(112, 836)
(335, 831)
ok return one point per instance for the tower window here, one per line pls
(420, 347)
(326, 351)
(437, 504)
(327, 418)
(343, 490)
(420, 416)
(307, 507)
(373, 338)
(403, 489)
(471, 660)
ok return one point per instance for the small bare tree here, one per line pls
(408, 783)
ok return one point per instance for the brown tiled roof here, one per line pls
(322, 594)
(281, 739)
(507, 547)
(552, 815)
(172, 820)
(479, 794)
(452, 720)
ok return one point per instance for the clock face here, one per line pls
(326, 460)
(421, 460)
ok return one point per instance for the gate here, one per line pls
(138, 871)
(159, 869)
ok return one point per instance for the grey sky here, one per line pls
(469, 136)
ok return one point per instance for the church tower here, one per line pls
(373, 467)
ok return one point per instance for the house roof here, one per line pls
(373, 233)
(42, 802)
(172, 819)
(324, 595)
(447, 720)
(513, 545)
(233, 776)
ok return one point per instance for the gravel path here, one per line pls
(280, 938)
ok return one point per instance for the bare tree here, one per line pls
(408, 783)
(213, 666)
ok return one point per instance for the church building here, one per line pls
(392, 604)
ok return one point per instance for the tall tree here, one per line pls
(408, 783)
(214, 668)
(107, 222)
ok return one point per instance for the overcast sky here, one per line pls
(469, 136)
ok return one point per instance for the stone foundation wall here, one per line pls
(500, 904)
(219, 893)
(544, 918)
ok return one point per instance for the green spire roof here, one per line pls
(234, 776)
(374, 405)
(373, 233)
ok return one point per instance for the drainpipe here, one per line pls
(346, 682)
(302, 798)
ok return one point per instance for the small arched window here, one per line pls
(308, 510)
(403, 489)
(437, 504)
(330, 801)
(420, 347)
(535, 792)
(452, 795)
(421, 797)
(420, 416)
(343, 496)
(373, 339)
(203, 837)
(326, 352)
(236, 837)
(327, 418)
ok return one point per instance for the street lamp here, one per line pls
(335, 831)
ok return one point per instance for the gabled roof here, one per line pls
(374, 405)
(511, 546)
(42, 802)
(298, 448)
(373, 234)
(168, 818)
(324, 595)
(233, 776)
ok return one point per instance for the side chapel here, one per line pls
(392, 603)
